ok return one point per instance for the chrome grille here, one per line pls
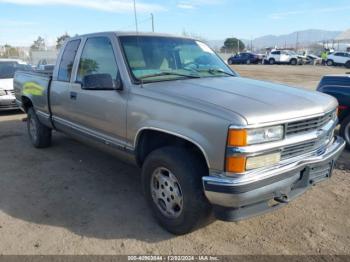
(308, 125)
(298, 150)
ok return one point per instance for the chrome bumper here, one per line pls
(235, 199)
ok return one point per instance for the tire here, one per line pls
(271, 61)
(229, 62)
(39, 135)
(248, 62)
(345, 131)
(293, 62)
(347, 64)
(177, 167)
(330, 62)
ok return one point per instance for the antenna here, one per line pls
(135, 12)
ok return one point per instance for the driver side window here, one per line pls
(97, 58)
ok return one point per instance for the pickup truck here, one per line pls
(207, 140)
(338, 86)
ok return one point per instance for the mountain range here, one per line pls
(289, 40)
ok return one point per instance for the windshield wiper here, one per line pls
(215, 70)
(167, 74)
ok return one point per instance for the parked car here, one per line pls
(313, 59)
(243, 58)
(283, 57)
(8, 68)
(339, 58)
(206, 139)
(338, 86)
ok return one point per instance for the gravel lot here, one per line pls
(74, 199)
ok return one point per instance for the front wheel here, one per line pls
(293, 62)
(230, 62)
(347, 64)
(345, 131)
(39, 135)
(172, 183)
(271, 61)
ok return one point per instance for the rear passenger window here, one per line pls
(67, 61)
(97, 58)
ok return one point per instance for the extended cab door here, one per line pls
(100, 114)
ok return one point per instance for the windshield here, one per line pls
(152, 59)
(8, 69)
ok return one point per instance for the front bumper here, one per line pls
(235, 200)
(8, 102)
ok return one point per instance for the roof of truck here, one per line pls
(133, 33)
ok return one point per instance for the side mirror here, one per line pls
(100, 82)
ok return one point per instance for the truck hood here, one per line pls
(256, 101)
(6, 84)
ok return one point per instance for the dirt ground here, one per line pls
(73, 199)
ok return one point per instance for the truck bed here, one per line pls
(34, 85)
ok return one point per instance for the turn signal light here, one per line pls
(237, 137)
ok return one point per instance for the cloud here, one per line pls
(117, 6)
(16, 23)
(191, 4)
(185, 6)
(283, 15)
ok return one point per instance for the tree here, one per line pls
(10, 52)
(38, 45)
(233, 45)
(61, 39)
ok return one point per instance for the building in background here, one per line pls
(343, 41)
(45, 57)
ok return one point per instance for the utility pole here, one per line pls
(135, 12)
(297, 42)
(152, 18)
(238, 45)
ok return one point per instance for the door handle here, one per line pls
(73, 95)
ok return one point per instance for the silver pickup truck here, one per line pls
(207, 140)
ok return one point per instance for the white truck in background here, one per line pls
(8, 67)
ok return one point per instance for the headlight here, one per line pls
(2, 93)
(244, 137)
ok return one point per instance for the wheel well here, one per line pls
(26, 103)
(150, 140)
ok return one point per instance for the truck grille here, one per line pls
(10, 92)
(308, 125)
(298, 150)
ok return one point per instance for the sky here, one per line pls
(22, 21)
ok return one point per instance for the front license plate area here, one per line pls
(320, 173)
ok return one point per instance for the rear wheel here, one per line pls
(271, 61)
(172, 183)
(39, 135)
(330, 62)
(345, 131)
(248, 62)
(347, 64)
